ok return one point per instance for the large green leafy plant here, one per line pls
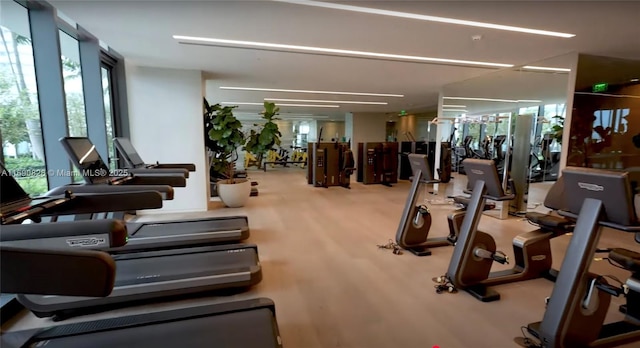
(223, 137)
(267, 136)
(557, 129)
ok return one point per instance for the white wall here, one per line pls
(166, 123)
(312, 137)
(367, 127)
(288, 137)
(330, 129)
(406, 124)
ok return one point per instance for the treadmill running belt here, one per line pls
(235, 226)
(240, 329)
(161, 269)
(179, 233)
(143, 276)
(244, 323)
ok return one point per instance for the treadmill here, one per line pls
(140, 276)
(247, 323)
(94, 170)
(16, 205)
(200, 231)
(88, 205)
(133, 161)
(250, 323)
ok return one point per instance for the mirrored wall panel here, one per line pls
(605, 121)
(514, 117)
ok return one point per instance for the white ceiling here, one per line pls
(549, 87)
(142, 32)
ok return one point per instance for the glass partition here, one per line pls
(515, 118)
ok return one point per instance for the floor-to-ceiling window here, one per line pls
(20, 126)
(72, 73)
(107, 93)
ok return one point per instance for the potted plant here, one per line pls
(557, 129)
(224, 138)
(267, 136)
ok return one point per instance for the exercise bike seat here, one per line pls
(551, 222)
(464, 201)
(628, 259)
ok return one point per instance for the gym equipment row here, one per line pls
(104, 274)
(429, 149)
(281, 157)
(378, 163)
(331, 164)
(585, 200)
(416, 220)
(578, 305)
(134, 163)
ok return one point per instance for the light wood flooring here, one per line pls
(333, 287)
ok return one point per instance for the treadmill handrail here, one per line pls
(88, 234)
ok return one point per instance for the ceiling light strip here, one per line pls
(610, 95)
(494, 100)
(278, 104)
(327, 101)
(341, 51)
(311, 91)
(428, 18)
(545, 68)
(454, 106)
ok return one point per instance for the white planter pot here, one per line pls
(234, 195)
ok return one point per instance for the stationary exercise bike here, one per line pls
(578, 306)
(475, 252)
(415, 224)
(413, 231)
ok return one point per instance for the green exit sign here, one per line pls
(600, 87)
(402, 113)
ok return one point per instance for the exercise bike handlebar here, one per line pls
(486, 254)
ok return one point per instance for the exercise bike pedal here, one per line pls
(445, 287)
(439, 280)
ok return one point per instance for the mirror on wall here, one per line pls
(605, 122)
(515, 118)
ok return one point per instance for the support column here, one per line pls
(51, 97)
(93, 95)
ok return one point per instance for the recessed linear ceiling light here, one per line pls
(455, 110)
(545, 68)
(341, 51)
(310, 91)
(278, 104)
(427, 18)
(494, 100)
(299, 118)
(454, 106)
(610, 95)
(327, 101)
(634, 80)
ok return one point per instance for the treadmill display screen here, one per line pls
(10, 190)
(130, 152)
(87, 159)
